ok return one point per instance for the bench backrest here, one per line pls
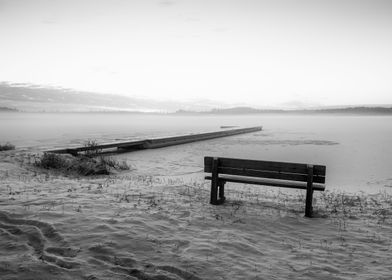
(266, 169)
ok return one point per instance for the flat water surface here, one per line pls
(357, 150)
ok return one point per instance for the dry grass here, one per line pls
(89, 163)
(7, 146)
(81, 165)
(244, 198)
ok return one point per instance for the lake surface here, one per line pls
(357, 150)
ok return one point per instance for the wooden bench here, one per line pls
(268, 173)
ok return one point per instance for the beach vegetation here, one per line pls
(7, 146)
(92, 148)
(81, 165)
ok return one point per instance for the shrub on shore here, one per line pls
(82, 165)
(6, 147)
(93, 149)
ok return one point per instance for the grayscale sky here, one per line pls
(260, 53)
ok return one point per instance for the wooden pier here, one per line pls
(157, 142)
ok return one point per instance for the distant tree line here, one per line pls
(7, 109)
(249, 110)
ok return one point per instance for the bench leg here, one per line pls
(309, 193)
(222, 197)
(214, 183)
(308, 206)
(214, 193)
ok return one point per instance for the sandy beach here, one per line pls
(140, 225)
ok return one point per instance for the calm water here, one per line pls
(356, 150)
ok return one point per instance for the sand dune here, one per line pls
(135, 226)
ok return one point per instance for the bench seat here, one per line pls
(266, 182)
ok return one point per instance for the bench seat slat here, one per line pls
(287, 167)
(269, 174)
(267, 182)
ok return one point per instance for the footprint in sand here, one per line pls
(46, 244)
(184, 214)
(121, 266)
(38, 236)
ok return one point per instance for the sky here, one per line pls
(277, 53)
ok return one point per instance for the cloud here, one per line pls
(167, 3)
(48, 21)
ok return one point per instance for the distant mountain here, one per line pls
(243, 110)
(361, 110)
(50, 99)
(25, 97)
